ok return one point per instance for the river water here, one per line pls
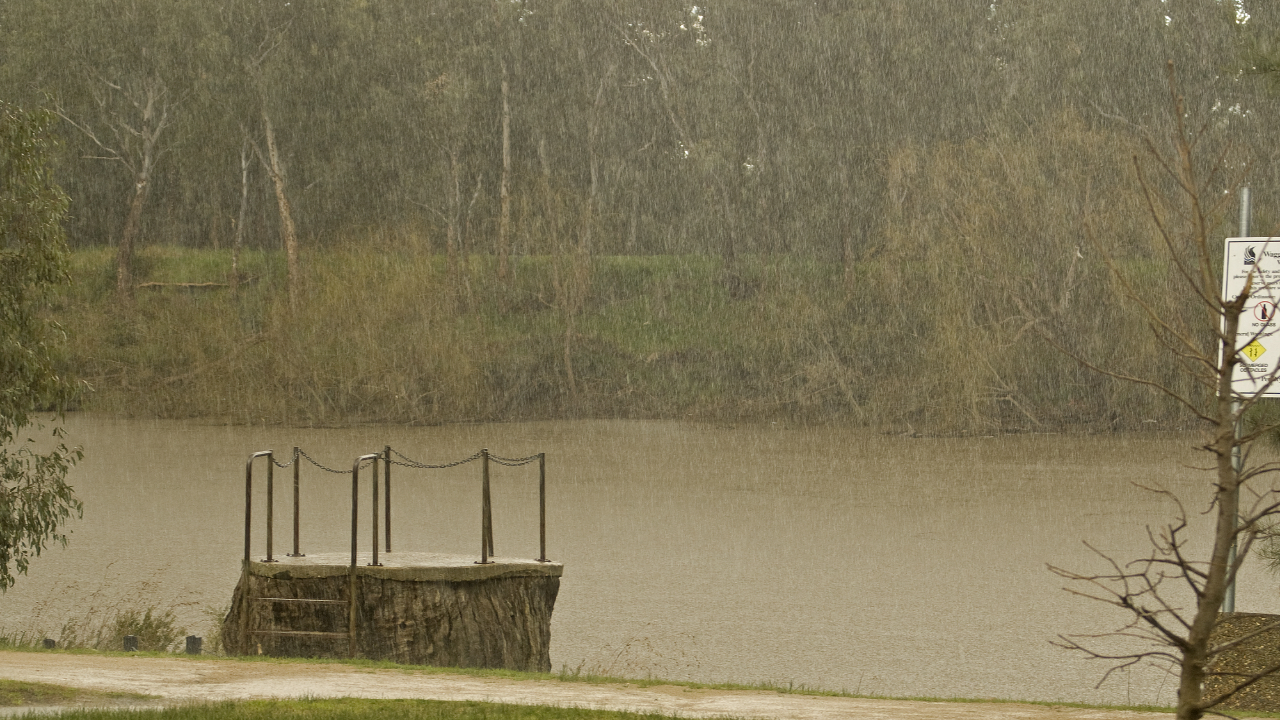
(827, 557)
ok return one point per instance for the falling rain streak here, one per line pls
(821, 557)
(803, 301)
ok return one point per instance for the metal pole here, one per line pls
(1237, 462)
(296, 504)
(244, 571)
(248, 502)
(355, 507)
(386, 474)
(486, 521)
(488, 504)
(542, 507)
(374, 485)
(352, 585)
(271, 466)
(1245, 212)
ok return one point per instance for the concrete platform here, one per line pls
(403, 566)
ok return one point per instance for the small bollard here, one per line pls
(130, 643)
(193, 644)
(50, 643)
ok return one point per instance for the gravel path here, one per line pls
(181, 679)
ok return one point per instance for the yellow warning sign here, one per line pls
(1253, 350)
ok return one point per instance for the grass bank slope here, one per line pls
(389, 334)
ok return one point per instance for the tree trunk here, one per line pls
(238, 242)
(504, 192)
(451, 232)
(1195, 657)
(124, 251)
(288, 232)
(152, 123)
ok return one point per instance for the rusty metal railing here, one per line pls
(486, 503)
(355, 507)
(381, 511)
(246, 589)
(248, 503)
(297, 502)
(372, 459)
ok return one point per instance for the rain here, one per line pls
(834, 320)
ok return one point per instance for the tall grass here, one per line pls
(156, 629)
(83, 614)
(384, 334)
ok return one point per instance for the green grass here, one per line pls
(14, 693)
(356, 709)
(579, 676)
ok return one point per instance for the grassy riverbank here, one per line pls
(353, 709)
(446, 693)
(14, 693)
(389, 334)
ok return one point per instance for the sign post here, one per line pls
(1255, 263)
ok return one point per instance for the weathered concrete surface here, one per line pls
(419, 608)
(181, 679)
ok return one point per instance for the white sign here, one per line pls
(1258, 337)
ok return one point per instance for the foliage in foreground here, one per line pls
(34, 496)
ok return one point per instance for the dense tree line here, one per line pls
(957, 159)
(658, 127)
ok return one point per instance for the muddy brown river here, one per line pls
(826, 557)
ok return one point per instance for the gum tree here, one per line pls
(35, 499)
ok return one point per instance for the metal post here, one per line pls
(1245, 212)
(248, 503)
(374, 505)
(352, 585)
(248, 498)
(542, 507)
(355, 508)
(244, 571)
(486, 520)
(488, 504)
(296, 504)
(1229, 598)
(386, 473)
(351, 572)
(1237, 462)
(271, 504)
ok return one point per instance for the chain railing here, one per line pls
(387, 457)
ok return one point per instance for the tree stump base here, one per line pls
(1241, 662)
(415, 608)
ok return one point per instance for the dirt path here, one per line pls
(181, 679)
